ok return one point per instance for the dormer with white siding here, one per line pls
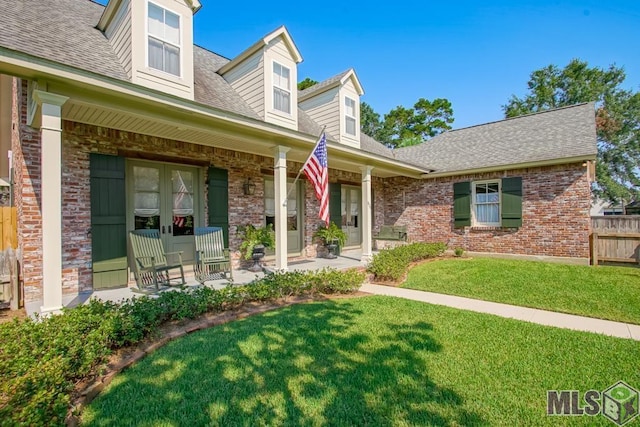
(335, 103)
(154, 41)
(265, 76)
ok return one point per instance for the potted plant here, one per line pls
(332, 237)
(254, 241)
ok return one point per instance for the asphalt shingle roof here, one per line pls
(210, 88)
(64, 31)
(77, 42)
(555, 134)
(319, 86)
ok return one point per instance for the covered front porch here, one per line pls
(346, 260)
(85, 152)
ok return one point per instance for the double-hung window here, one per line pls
(486, 203)
(281, 88)
(164, 40)
(350, 116)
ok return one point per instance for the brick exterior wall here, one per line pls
(556, 200)
(79, 140)
(555, 212)
(27, 172)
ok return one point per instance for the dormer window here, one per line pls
(164, 40)
(350, 116)
(281, 88)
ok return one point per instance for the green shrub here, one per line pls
(391, 264)
(41, 360)
(335, 282)
(458, 252)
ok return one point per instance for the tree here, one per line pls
(370, 122)
(410, 126)
(402, 127)
(617, 119)
(308, 82)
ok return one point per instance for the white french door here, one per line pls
(294, 214)
(351, 218)
(165, 197)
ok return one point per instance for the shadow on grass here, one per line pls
(346, 363)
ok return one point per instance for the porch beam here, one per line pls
(367, 253)
(51, 191)
(280, 184)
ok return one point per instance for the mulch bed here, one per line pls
(87, 390)
(7, 315)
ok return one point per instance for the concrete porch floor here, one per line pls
(347, 259)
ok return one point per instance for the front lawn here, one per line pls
(604, 292)
(367, 361)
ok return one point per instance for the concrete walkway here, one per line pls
(542, 317)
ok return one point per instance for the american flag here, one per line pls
(179, 221)
(317, 171)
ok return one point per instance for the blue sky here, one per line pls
(474, 53)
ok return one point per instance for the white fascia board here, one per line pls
(260, 44)
(108, 13)
(370, 157)
(194, 5)
(498, 168)
(282, 32)
(29, 67)
(356, 82)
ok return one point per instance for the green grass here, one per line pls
(377, 361)
(603, 292)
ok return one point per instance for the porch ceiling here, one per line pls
(193, 129)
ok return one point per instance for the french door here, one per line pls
(294, 214)
(165, 197)
(351, 219)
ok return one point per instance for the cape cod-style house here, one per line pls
(115, 121)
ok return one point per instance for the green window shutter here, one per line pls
(335, 202)
(461, 204)
(218, 201)
(512, 202)
(108, 221)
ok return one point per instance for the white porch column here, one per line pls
(280, 184)
(51, 198)
(367, 252)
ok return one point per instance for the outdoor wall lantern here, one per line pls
(249, 187)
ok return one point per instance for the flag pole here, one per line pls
(284, 203)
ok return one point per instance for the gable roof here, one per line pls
(567, 133)
(78, 43)
(113, 5)
(279, 32)
(550, 136)
(331, 82)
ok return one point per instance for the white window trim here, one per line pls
(147, 35)
(347, 116)
(274, 85)
(475, 222)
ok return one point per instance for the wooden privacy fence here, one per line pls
(9, 291)
(8, 228)
(615, 238)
